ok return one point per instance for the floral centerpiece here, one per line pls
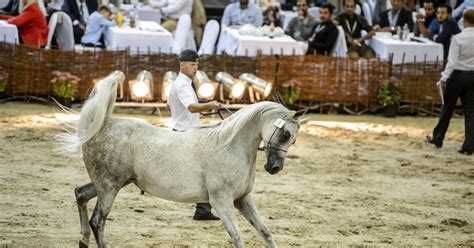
(291, 91)
(389, 96)
(64, 87)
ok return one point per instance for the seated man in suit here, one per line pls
(79, 11)
(325, 34)
(424, 21)
(353, 24)
(242, 12)
(301, 27)
(396, 17)
(448, 27)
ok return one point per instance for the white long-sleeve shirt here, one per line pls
(175, 9)
(461, 53)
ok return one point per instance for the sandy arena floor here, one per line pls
(349, 180)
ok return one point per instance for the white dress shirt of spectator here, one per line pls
(241, 13)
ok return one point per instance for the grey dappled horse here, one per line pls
(214, 164)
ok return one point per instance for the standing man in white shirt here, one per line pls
(185, 110)
(459, 79)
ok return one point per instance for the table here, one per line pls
(383, 47)
(145, 12)
(286, 16)
(232, 43)
(147, 35)
(8, 32)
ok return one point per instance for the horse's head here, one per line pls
(278, 135)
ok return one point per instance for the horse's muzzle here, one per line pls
(274, 163)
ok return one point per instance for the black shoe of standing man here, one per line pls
(462, 151)
(430, 140)
(203, 212)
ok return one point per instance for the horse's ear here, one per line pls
(303, 121)
(299, 113)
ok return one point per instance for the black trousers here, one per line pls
(459, 85)
(201, 208)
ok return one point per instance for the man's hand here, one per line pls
(440, 83)
(82, 27)
(214, 105)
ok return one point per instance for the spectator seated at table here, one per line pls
(79, 11)
(353, 24)
(99, 21)
(12, 8)
(459, 10)
(325, 34)
(242, 12)
(52, 6)
(396, 17)
(448, 27)
(302, 26)
(172, 10)
(271, 12)
(31, 23)
(423, 21)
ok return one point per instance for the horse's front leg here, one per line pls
(225, 209)
(246, 206)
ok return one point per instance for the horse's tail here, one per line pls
(96, 109)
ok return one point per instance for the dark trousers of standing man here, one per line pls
(459, 85)
(201, 208)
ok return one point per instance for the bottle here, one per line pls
(406, 31)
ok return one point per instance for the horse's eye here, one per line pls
(285, 136)
(294, 142)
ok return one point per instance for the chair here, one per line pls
(314, 12)
(367, 13)
(184, 35)
(372, 10)
(60, 27)
(340, 49)
(209, 38)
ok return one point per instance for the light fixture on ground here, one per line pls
(235, 87)
(205, 88)
(260, 85)
(141, 89)
(168, 80)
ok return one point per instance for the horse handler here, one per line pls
(459, 79)
(185, 110)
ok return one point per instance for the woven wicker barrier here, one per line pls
(323, 79)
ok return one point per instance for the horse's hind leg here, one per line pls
(105, 199)
(83, 194)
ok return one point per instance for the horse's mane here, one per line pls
(232, 125)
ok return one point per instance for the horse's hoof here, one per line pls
(82, 244)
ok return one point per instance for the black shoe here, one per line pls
(430, 140)
(205, 216)
(462, 151)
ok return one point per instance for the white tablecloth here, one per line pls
(286, 16)
(8, 32)
(148, 35)
(232, 43)
(145, 12)
(383, 47)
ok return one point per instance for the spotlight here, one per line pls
(168, 80)
(260, 85)
(234, 86)
(141, 89)
(206, 89)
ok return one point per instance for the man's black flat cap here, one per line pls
(188, 56)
